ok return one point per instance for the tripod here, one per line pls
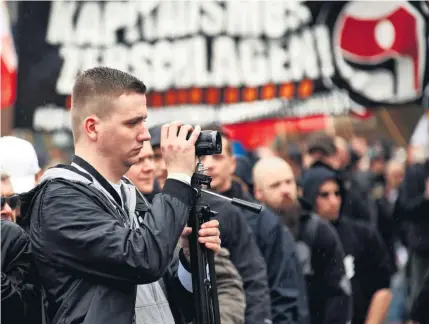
(202, 259)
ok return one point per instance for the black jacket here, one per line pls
(390, 229)
(90, 260)
(367, 263)
(237, 237)
(20, 291)
(358, 203)
(329, 290)
(278, 249)
(412, 206)
(419, 309)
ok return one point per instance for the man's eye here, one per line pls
(134, 122)
(275, 185)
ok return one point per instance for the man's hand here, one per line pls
(178, 152)
(208, 235)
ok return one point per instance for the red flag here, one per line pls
(9, 61)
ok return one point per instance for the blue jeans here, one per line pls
(398, 307)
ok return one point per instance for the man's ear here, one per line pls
(233, 162)
(257, 193)
(38, 175)
(91, 127)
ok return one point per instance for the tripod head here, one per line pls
(199, 179)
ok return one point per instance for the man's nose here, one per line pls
(144, 135)
(162, 165)
(334, 200)
(149, 166)
(284, 188)
(7, 211)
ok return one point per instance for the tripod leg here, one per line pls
(198, 266)
(213, 288)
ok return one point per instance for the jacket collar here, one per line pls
(78, 161)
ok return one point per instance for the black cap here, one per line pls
(294, 153)
(155, 134)
(243, 169)
(322, 143)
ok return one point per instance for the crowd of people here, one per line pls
(343, 235)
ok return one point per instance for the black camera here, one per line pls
(208, 143)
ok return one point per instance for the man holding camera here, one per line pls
(94, 236)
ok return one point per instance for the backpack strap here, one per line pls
(310, 230)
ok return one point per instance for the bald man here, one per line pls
(275, 244)
(318, 246)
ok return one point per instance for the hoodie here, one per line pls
(366, 260)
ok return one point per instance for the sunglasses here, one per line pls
(12, 201)
(327, 194)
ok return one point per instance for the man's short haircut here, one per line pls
(94, 90)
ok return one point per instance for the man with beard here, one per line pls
(366, 259)
(318, 246)
(288, 304)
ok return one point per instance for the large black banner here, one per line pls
(230, 61)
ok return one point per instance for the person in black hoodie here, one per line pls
(333, 151)
(318, 246)
(20, 287)
(275, 243)
(367, 260)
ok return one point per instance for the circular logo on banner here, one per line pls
(379, 50)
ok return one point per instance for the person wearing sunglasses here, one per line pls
(9, 201)
(366, 258)
(20, 298)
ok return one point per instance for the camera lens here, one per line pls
(208, 143)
